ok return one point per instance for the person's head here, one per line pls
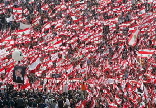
(18, 72)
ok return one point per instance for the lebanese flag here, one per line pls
(31, 1)
(46, 27)
(45, 7)
(126, 24)
(75, 19)
(129, 86)
(36, 21)
(34, 64)
(2, 5)
(58, 43)
(26, 11)
(145, 53)
(19, 18)
(118, 100)
(91, 48)
(73, 40)
(133, 38)
(23, 32)
(2, 70)
(3, 86)
(112, 105)
(2, 11)
(58, 25)
(17, 11)
(69, 68)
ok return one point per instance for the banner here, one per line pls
(18, 74)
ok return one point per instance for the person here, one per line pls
(1, 103)
(67, 103)
(83, 88)
(20, 103)
(65, 88)
(11, 103)
(60, 103)
(18, 77)
(53, 104)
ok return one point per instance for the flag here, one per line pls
(36, 21)
(133, 38)
(112, 105)
(145, 53)
(34, 64)
(75, 19)
(26, 11)
(19, 17)
(118, 100)
(18, 74)
(17, 11)
(69, 69)
(2, 70)
(23, 32)
(24, 26)
(3, 53)
(45, 7)
(58, 43)
(46, 27)
(31, 1)
(2, 5)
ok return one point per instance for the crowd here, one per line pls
(39, 99)
(83, 41)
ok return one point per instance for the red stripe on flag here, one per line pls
(145, 52)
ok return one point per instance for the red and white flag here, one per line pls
(36, 21)
(46, 26)
(31, 1)
(145, 53)
(58, 43)
(70, 69)
(17, 11)
(23, 32)
(133, 38)
(26, 11)
(34, 64)
(24, 26)
(45, 7)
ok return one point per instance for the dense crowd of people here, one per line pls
(84, 42)
(39, 99)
